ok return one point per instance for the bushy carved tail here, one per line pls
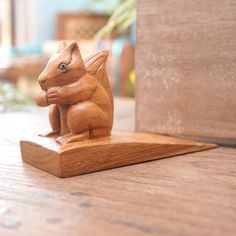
(95, 64)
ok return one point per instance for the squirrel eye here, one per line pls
(62, 66)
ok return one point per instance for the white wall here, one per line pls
(5, 24)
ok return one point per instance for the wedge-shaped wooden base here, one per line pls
(120, 149)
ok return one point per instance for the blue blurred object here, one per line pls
(27, 50)
(46, 15)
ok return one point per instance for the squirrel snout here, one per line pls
(42, 81)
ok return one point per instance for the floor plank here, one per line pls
(192, 194)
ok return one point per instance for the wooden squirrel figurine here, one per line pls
(79, 95)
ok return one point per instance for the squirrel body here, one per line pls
(79, 95)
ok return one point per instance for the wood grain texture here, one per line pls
(185, 66)
(120, 149)
(189, 195)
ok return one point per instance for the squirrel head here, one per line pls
(64, 67)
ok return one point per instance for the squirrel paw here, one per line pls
(70, 138)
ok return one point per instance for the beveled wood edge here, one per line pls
(116, 138)
(53, 160)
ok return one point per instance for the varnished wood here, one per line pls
(79, 93)
(81, 115)
(87, 156)
(193, 194)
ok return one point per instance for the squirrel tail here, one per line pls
(95, 64)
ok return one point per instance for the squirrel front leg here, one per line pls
(41, 99)
(71, 94)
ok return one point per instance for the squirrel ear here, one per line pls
(61, 47)
(73, 48)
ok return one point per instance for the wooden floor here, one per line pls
(192, 194)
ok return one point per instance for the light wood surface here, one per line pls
(185, 67)
(119, 149)
(193, 194)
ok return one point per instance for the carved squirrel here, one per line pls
(79, 95)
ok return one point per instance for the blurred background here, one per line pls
(30, 31)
